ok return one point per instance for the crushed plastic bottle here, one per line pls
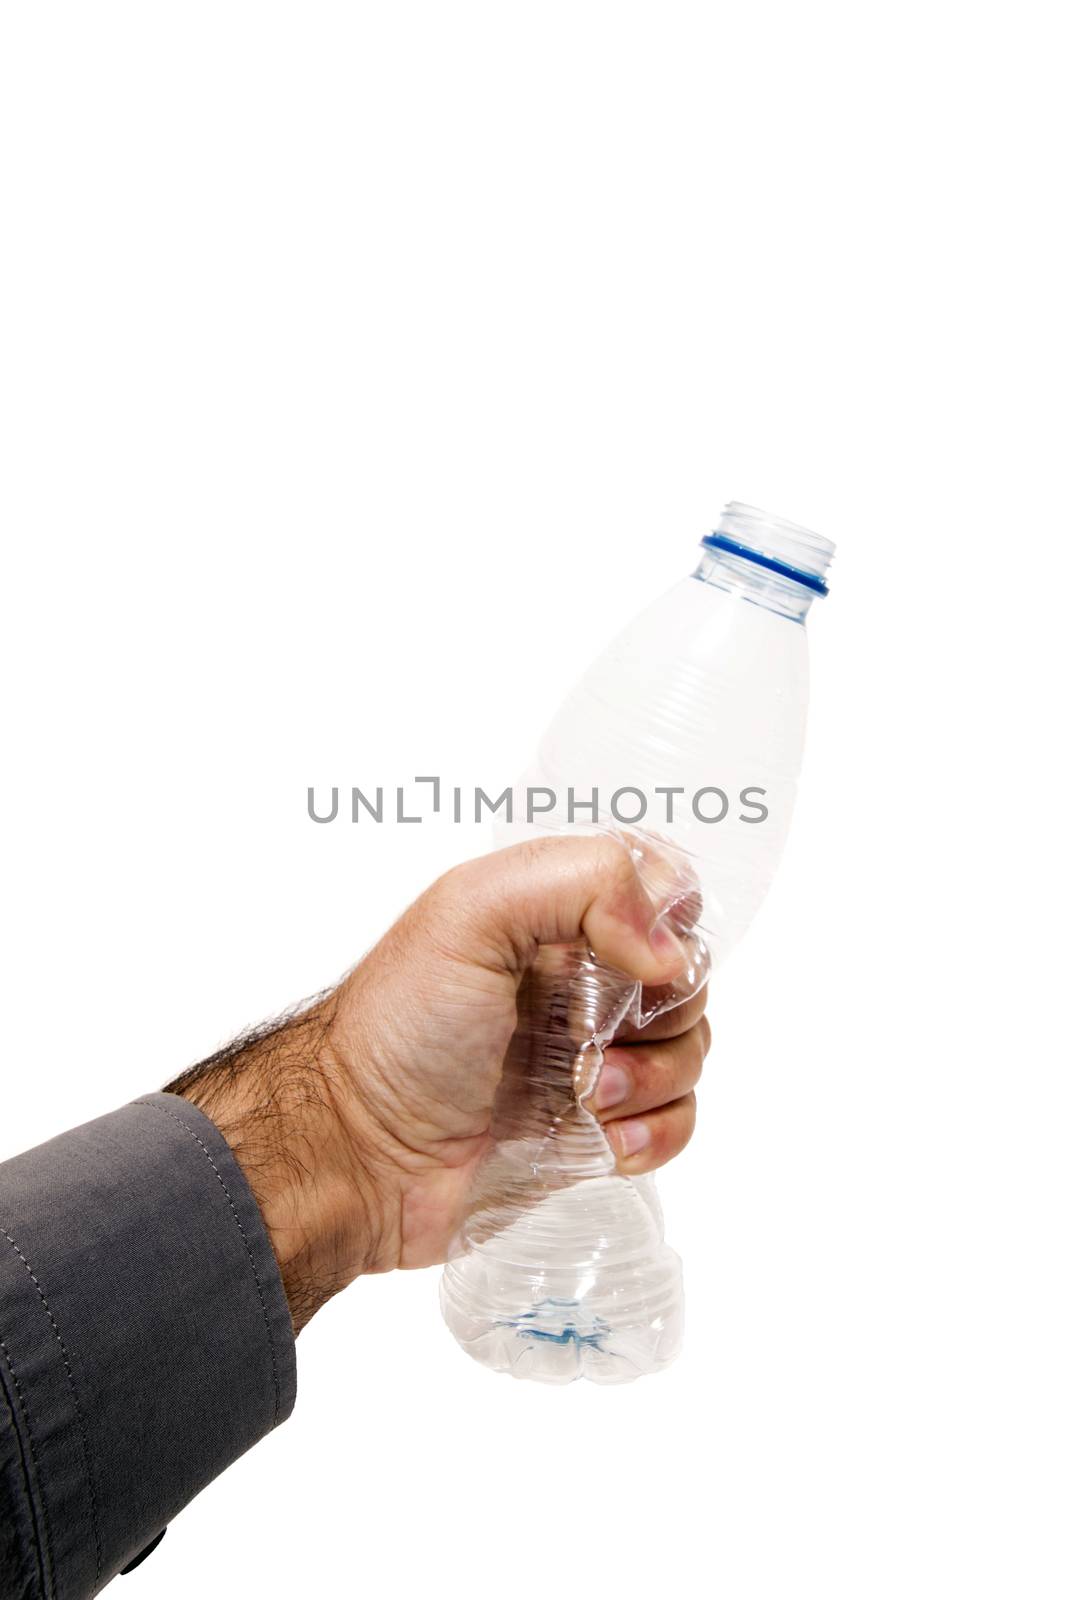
(684, 741)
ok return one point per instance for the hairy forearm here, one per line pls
(278, 1096)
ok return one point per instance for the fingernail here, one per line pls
(667, 945)
(632, 1135)
(612, 1086)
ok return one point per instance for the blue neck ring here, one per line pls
(718, 541)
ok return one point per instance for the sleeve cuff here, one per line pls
(145, 1338)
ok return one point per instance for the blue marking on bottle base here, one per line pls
(569, 1333)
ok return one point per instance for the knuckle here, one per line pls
(687, 1120)
(451, 885)
(614, 865)
(696, 1048)
(535, 852)
(454, 904)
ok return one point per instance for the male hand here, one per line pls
(361, 1121)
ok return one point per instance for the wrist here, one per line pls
(278, 1099)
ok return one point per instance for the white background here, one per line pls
(364, 367)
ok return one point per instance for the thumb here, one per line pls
(555, 891)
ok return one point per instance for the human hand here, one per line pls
(361, 1121)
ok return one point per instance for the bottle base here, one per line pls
(520, 1303)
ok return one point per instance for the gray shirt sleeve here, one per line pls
(145, 1340)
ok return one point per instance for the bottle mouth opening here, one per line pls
(771, 542)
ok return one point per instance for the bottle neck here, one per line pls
(739, 576)
(766, 560)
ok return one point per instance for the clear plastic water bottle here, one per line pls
(684, 740)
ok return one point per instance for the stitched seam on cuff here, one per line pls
(83, 1432)
(49, 1575)
(152, 1106)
